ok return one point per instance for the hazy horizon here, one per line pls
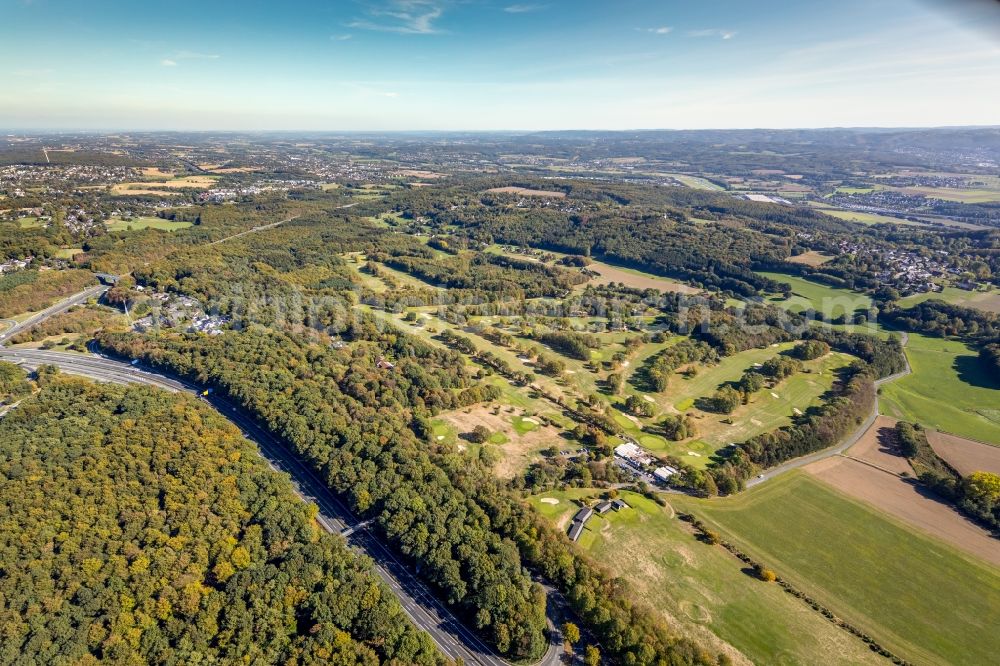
(35, 131)
(447, 65)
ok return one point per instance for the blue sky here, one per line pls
(479, 64)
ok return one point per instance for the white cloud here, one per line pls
(167, 62)
(524, 9)
(340, 38)
(713, 32)
(408, 17)
(663, 30)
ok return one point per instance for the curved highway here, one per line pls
(60, 307)
(453, 638)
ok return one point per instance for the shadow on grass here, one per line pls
(971, 371)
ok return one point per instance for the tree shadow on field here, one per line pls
(971, 371)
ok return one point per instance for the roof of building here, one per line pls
(583, 514)
(603, 507)
(574, 531)
(620, 504)
(627, 450)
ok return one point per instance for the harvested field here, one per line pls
(900, 498)
(524, 191)
(965, 455)
(637, 279)
(156, 172)
(877, 446)
(235, 170)
(417, 173)
(159, 187)
(811, 258)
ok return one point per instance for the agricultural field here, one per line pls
(832, 302)
(835, 549)
(965, 455)
(147, 223)
(767, 410)
(701, 590)
(948, 390)
(982, 300)
(874, 472)
(526, 192)
(962, 195)
(162, 183)
(695, 182)
(858, 216)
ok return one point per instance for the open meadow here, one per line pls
(832, 302)
(919, 596)
(810, 258)
(702, 590)
(981, 300)
(948, 390)
(140, 223)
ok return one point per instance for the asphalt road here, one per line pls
(428, 613)
(61, 306)
(847, 443)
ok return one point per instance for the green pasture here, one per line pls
(700, 589)
(948, 390)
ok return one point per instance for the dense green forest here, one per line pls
(470, 535)
(138, 526)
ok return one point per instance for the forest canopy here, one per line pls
(138, 526)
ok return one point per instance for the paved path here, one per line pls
(453, 637)
(849, 441)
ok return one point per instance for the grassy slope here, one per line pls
(947, 390)
(920, 597)
(831, 301)
(698, 587)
